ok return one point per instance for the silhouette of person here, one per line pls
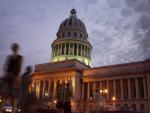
(25, 83)
(12, 69)
(67, 99)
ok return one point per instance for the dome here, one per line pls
(72, 27)
(72, 41)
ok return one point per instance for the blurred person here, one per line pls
(59, 103)
(67, 99)
(28, 99)
(26, 81)
(12, 69)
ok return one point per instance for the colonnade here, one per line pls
(71, 49)
(124, 90)
(46, 88)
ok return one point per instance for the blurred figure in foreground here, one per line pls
(26, 81)
(67, 99)
(11, 80)
(28, 100)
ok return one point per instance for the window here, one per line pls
(63, 35)
(142, 107)
(70, 21)
(75, 34)
(134, 106)
(69, 34)
(65, 23)
(80, 35)
(75, 22)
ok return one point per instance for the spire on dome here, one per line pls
(73, 12)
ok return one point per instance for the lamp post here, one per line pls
(113, 100)
(103, 92)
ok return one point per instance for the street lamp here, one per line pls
(103, 92)
(113, 100)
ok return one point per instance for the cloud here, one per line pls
(142, 7)
(117, 29)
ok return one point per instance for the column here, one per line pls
(53, 50)
(77, 51)
(94, 88)
(65, 49)
(88, 91)
(38, 94)
(114, 88)
(100, 85)
(43, 92)
(73, 48)
(107, 85)
(121, 83)
(137, 88)
(69, 49)
(145, 87)
(56, 50)
(49, 88)
(81, 49)
(61, 46)
(84, 51)
(54, 93)
(87, 54)
(83, 91)
(52, 53)
(129, 89)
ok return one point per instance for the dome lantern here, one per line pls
(73, 12)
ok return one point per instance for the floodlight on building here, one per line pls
(113, 98)
(101, 91)
(105, 90)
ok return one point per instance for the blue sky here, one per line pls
(119, 30)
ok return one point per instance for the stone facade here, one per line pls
(122, 85)
(128, 83)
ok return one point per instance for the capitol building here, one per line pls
(121, 85)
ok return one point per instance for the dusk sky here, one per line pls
(119, 30)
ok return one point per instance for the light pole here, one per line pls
(103, 92)
(113, 100)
